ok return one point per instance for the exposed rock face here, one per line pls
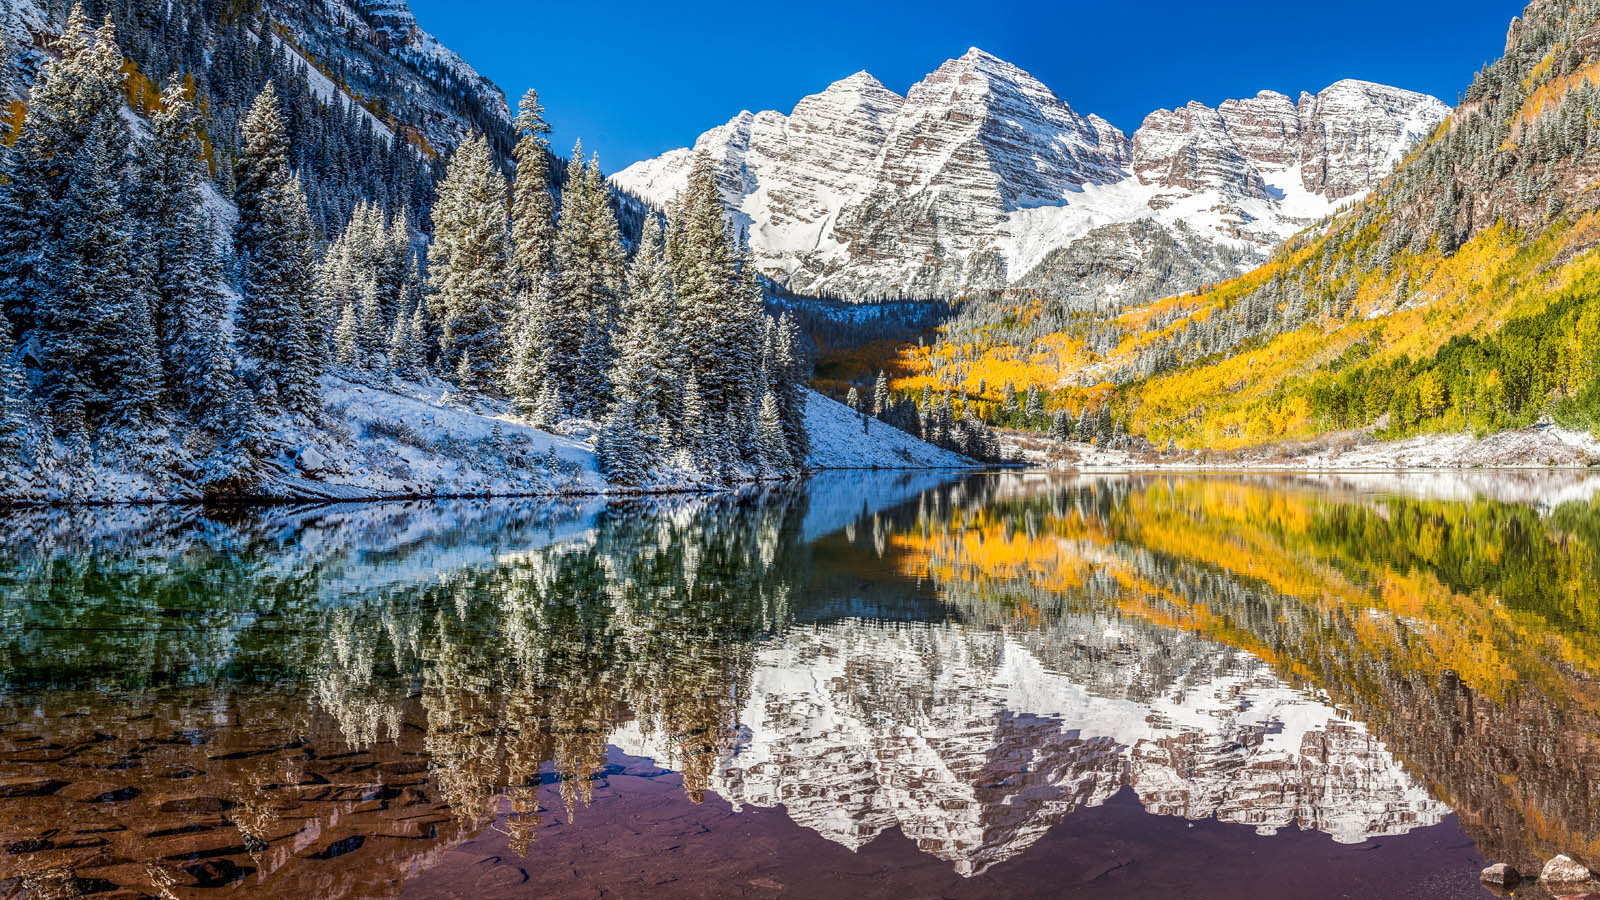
(1353, 133)
(1132, 263)
(981, 171)
(1191, 150)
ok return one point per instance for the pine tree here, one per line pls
(620, 447)
(69, 95)
(794, 370)
(533, 252)
(273, 242)
(1061, 426)
(347, 337)
(177, 244)
(774, 450)
(588, 294)
(853, 399)
(233, 469)
(1034, 407)
(15, 428)
(718, 312)
(469, 272)
(880, 395)
(646, 368)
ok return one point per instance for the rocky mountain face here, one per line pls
(981, 172)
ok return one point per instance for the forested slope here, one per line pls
(1459, 295)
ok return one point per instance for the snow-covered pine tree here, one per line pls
(793, 372)
(66, 256)
(233, 469)
(588, 293)
(719, 313)
(853, 399)
(645, 373)
(96, 287)
(1034, 406)
(62, 106)
(621, 448)
(880, 395)
(775, 459)
(469, 268)
(15, 427)
(533, 247)
(177, 245)
(1061, 425)
(273, 243)
(347, 337)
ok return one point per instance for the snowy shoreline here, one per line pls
(1536, 448)
(401, 440)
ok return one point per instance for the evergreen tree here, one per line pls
(621, 448)
(273, 243)
(233, 469)
(718, 312)
(794, 370)
(15, 428)
(177, 245)
(1034, 407)
(587, 299)
(644, 376)
(469, 272)
(1061, 426)
(533, 252)
(880, 395)
(773, 445)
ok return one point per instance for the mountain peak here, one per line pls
(857, 83)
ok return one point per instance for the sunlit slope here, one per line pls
(1460, 295)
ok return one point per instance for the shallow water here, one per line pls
(873, 686)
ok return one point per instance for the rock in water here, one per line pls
(1500, 874)
(1564, 870)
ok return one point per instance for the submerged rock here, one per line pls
(1565, 870)
(1499, 873)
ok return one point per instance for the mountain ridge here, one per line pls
(980, 171)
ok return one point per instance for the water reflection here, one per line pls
(323, 702)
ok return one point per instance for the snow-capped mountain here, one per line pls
(975, 743)
(981, 172)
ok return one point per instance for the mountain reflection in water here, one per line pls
(329, 702)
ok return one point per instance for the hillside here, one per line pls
(1457, 297)
(229, 272)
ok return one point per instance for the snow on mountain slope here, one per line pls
(980, 172)
(841, 438)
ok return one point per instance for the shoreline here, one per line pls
(605, 493)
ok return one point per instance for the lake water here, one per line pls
(890, 685)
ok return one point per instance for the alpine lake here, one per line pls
(867, 685)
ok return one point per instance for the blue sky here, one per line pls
(634, 78)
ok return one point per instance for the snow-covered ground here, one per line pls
(380, 438)
(1536, 447)
(841, 438)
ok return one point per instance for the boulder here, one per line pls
(1564, 870)
(1500, 874)
(311, 461)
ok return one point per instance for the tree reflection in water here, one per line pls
(319, 702)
